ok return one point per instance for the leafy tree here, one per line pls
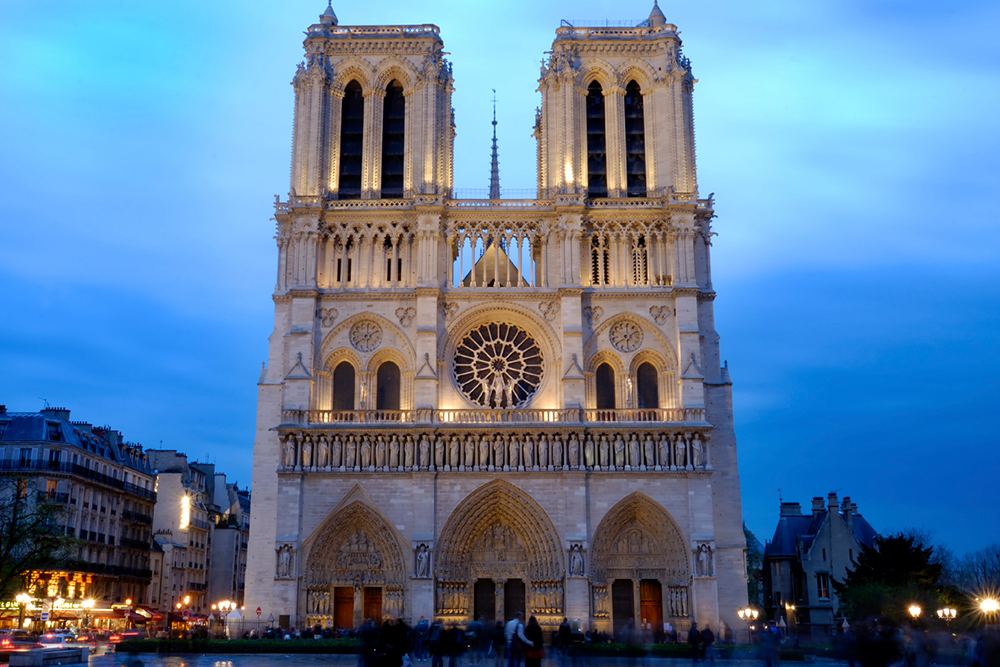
(755, 573)
(898, 571)
(31, 535)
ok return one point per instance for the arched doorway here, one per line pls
(639, 561)
(343, 386)
(387, 387)
(499, 537)
(647, 390)
(605, 382)
(355, 570)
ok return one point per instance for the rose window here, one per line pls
(626, 336)
(366, 336)
(498, 366)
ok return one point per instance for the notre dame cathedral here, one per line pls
(477, 406)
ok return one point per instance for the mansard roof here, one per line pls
(53, 427)
(807, 526)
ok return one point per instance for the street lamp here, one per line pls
(947, 615)
(224, 608)
(989, 606)
(22, 601)
(87, 605)
(915, 610)
(749, 614)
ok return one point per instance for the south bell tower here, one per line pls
(475, 407)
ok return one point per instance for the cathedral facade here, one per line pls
(476, 407)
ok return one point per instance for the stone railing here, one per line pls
(487, 417)
(462, 449)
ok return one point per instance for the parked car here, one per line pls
(56, 640)
(13, 640)
(135, 633)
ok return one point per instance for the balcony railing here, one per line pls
(134, 544)
(17, 465)
(137, 517)
(574, 416)
(46, 497)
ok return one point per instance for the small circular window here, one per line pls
(498, 366)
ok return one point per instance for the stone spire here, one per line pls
(328, 17)
(495, 164)
(656, 17)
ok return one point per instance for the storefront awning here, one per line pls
(149, 614)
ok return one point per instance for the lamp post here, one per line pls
(947, 615)
(22, 601)
(915, 611)
(87, 605)
(989, 607)
(224, 608)
(748, 614)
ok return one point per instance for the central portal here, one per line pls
(513, 598)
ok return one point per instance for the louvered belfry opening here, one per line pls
(393, 128)
(635, 142)
(597, 158)
(352, 125)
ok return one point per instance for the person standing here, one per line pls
(513, 634)
(694, 640)
(707, 639)
(565, 634)
(497, 644)
(534, 653)
(475, 634)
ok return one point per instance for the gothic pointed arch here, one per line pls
(353, 68)
(498, 531)
(598, 70)
(395, 67)
(638, 539)
(356, 547)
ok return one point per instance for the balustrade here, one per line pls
(488, 416)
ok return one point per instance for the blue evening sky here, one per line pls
(852, 147)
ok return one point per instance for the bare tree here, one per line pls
(979, 571)
(32, 538)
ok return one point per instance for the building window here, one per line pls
(22, 488)
(50, 488)
(824, 555)
(387, 387)
(605, 381)
(597, 162)
(393, 125)
(823, 586)
(343, 386)
(352, 125)
(53, 432)
(647, 391)
(635, 142)
(777, 568)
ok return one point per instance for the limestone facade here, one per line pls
(472, 407)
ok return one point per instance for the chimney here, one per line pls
(818, 505)
(56, 413)
(791, 509)
(831, 499)
(3, 409)
(849, 508)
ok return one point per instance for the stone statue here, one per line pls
(589, 453)
(289, 460)
(543, 454)
(366, 453)
(380, 453)
(697, 452)
(425, 452)
(633, 451)
(484, 452)
(576, 561)
(336, 451)
(574, 451)
(285, 565)
(527, 453)
(649, 452)
(619, 452)
(679, 455)
(453, 452)
(408, 453)
(351, 453)
(393, 453)
(423, 562)
(513, 451)
(605, 455)
(323, 453)
(664, 451)
(557, 452)
(704, 560)
(307, 453)
(470, 452)
(498, 451)
(438, 453)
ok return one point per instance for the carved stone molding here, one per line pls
(660, 314)
(406, 315)
(593, 314)
(327, 316)
(549, 309)
(625, 336)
